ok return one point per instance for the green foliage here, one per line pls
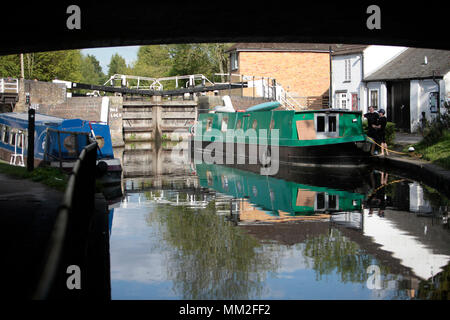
(51, 177)
(44, 66)
(153, 61)
(433, 130)
(436, 147)
(390, 131)
(10, 66)
(91, 70)
(117, 65)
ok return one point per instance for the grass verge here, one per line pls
(51, 177)
(437, 151)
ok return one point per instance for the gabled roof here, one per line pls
(301, 47)
(344, 49)
(410, 64)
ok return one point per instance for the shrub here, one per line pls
(390, 131)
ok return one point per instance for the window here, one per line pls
(13, 138)
(224, 124)
(331, 123)
(6, 134)
(234, 61)
(348, 70)
(272, 124)
(320, 124)
(332, 202)
(238, 124)
(320, 201)
(433, 102)
(254, 124)
(326, 125)
(341, 100)
(373, 99)
(208, 124)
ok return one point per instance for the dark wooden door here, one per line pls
(399, 105)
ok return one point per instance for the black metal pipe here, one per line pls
(30, 147)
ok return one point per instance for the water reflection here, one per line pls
(216, 232)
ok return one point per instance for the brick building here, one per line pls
(302, 69)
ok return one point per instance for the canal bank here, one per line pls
(424, 171)
(421, 170)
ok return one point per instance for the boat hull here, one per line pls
(330, 155)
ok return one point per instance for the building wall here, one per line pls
(301, 73)
(382, 96)
(420, 100)
(339, 82)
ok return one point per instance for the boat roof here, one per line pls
(38, 117)
(334, 110)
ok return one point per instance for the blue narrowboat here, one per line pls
(58, 142)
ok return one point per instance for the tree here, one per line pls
(10, 66)
(92, 71)
(153, 61)
(44, 66)
(117, 65)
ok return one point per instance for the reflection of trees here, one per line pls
(437, 288)
(210, 258)
(339, 254)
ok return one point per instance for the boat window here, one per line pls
(12, 138)
(2, 127)
(331, 123)
(224, 124)
(208, 124)
(320, 124)
(6, 135)
(320, 200)
(272, 124)
(254, 124)
(332, 201)
(20, 139)
(238, 124)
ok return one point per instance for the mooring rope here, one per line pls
(393, 151)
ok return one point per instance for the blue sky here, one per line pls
(104, 54)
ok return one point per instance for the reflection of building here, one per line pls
(417, 203)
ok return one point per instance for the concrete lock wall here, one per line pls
(51, 99)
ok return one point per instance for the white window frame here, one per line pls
(348, 70)
(326, 134)
(341, 96)
(326, 207)
(378, 99)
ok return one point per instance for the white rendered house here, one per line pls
(350, 65)
(406, 82)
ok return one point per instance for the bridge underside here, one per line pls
(36, 27)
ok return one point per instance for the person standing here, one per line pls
(382, 121)
(372, 121)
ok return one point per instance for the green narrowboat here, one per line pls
(328, 137)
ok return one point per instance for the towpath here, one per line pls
(27, 213)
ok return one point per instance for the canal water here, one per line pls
(199, 231)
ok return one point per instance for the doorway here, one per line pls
(398, 104)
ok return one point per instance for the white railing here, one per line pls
(148, 83)
(9, 86)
